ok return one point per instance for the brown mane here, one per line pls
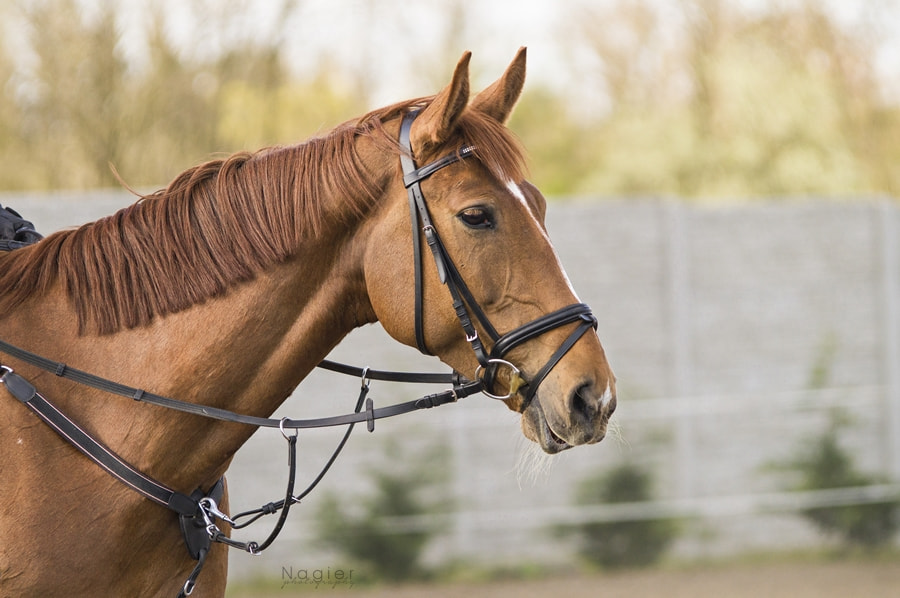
(221, 223)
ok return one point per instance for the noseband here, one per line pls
(464, 303)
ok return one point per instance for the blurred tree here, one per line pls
(188, 97)
(561, 152)
(773, 102)
(697, 97)
(449, 42)
(10, 117)
(621, 544)
(172, 114)
(822, 463)
(409, 486)
(77, 113)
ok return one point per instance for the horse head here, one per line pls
(511, 316)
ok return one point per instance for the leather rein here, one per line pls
(199, 512)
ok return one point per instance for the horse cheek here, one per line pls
(389, 279)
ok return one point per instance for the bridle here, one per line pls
(464, 303)
(199, 512)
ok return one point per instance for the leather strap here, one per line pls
(94, 449)
(422, 225)
(196, 517)
(464, 389)
(454, 378)
(554, 359)
(526, 332)
(514, 338)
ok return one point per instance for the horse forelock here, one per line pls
(495, 146)
(221, 223)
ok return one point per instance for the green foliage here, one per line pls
(562, 151)
(698, 99)
(822, 463)
(84, 106)
(771, 102)
(620, 544)
(370, 534)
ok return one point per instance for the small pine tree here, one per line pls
(620, 544)
(367, 538)
(823, 464)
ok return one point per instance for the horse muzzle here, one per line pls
(582, 418)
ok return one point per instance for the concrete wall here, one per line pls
(714, 319)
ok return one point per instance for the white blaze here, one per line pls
(518, 194)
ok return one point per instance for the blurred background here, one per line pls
(723, 180)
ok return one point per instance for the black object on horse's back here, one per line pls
(15, 231)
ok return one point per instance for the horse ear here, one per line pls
(499, 99)
(436, 122)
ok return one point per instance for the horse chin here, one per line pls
(538, 430)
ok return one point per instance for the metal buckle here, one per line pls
(516, 380)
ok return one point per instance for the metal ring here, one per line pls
(365, 377)
(516, 372)
(283, 433)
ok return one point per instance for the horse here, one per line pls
(228, 286)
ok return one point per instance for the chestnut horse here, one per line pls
(229, 286)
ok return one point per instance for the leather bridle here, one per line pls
(464, 303)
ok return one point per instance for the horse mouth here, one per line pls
(548, 440)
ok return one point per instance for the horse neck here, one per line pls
(245, 351)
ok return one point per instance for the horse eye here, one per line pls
(477, 218)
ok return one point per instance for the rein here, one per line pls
(199, 512)
(461, 388)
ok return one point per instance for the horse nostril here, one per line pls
(582, 402)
